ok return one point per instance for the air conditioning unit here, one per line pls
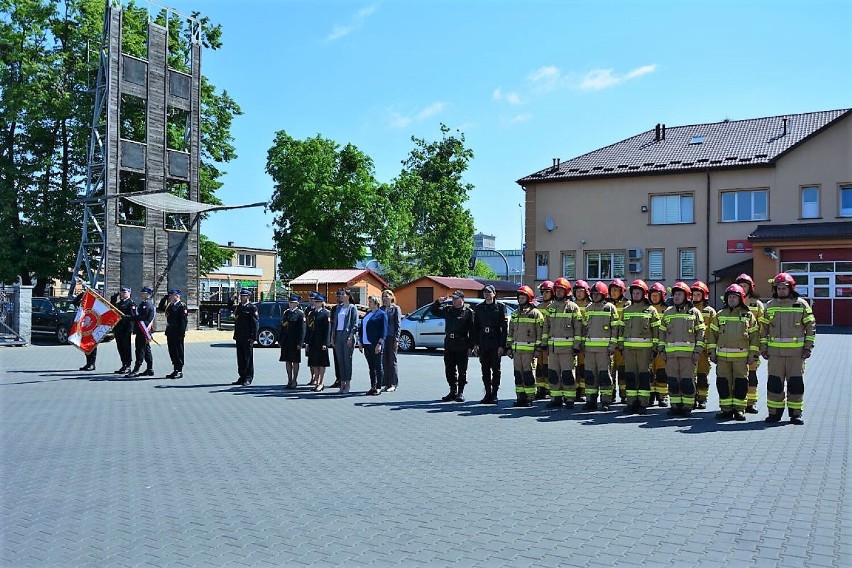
(634, 267)
(634, 254)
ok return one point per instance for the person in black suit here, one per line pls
(292, 339)
(372, 332)
(245, 334)
(124, 328)
(458, 342)
(144, 317)
(176, 322)
(317, 341)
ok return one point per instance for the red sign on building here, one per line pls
(739, 246)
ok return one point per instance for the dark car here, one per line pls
(53, 316)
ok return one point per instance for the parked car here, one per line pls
(53, 316)
(422, 329)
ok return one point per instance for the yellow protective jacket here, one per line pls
(526, 327)
(600, 327)
(641, 325)
(787, 327)
(734, 334)
(682, 330)
(563, 326)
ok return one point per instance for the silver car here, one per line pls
(421, 328)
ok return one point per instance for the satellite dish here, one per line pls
(549, 224)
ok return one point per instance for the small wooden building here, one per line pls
(426, 289)
(363, 282)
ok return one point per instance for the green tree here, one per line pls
(482, 269)
(46, 106)
(430, 231)
(325, 201)
(211, 255)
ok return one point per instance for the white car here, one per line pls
(422, 329)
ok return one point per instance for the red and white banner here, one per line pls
(94, 319)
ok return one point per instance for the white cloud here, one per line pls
(398, 121)
(518, 118)
(598, 79)
(497, 95)
(512, 98)
(430, 111)
(545, 74)
(343, 30)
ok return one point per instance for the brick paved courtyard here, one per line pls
(103, 471)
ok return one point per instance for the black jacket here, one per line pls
(490, 325)
(144, 313)
(245, 322)
(128, 308)
(292, 328)
(176, 318)
(459, 330)
(317, 333)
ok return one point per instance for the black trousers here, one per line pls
(143, 352)
(245, 358)
(122, 342)
(175, 343)
(92, 357)
(490, 361)
(455, 367)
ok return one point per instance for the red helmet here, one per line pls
(641, 285)
(618, 283)
(582, 285)
(736, 289)
(658, 287)
(527, 291)
(563, 283)
(601, 288)
(784, 278)
(699, 285)
(682, 286)
(545, 286)
(745, 278)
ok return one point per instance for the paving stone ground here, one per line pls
(102, 471)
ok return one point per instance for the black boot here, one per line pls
(750, 409)
(797, 420)
(487, 396)
(540, 393)
(460, 394)
(774, 416)
(450, 395)
(523, 400)
(591, 402)
(556, 402)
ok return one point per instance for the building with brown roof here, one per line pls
(699, 202)
(363, 282)
(426, 289)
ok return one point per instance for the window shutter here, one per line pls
(655, 265)
(687, 264)
(618, 265)
(569, 266)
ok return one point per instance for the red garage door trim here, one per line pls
(813, 255)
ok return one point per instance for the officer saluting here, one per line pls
(143, 322)
(176, 321)
(458, 342)
(245, 333)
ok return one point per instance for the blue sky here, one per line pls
(525, 81)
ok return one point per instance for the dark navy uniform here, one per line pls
(245, 334)
(458, 341)
(292, 335)
(176, 322)
(490, 325)
(317, 337)
(123, 329)
(144, 317)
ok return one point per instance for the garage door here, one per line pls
(828, 286)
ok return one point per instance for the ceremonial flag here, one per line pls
(94, 319)
(143, 328)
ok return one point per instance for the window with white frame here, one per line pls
(542, 263)
(746, 205)
(671, 209)
(604, 265)
(569, 265)
(810, 202)
(687, 264)
(247, 260)
(656, 266)
(846, 200)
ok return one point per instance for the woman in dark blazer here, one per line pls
(391, 341)
(372, 332)
(318, 341)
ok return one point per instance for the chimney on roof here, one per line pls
(785, 126)
(663, 132)
(657, 133)
(230, 243)
(558, 161)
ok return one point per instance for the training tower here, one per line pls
(141, 210)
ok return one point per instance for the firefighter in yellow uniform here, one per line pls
(638, 340)
(600, 338)
(617, 290)
(733, 341)
(562, 330)
(757, 308)
(700, 297)
(582, 299)
(788, 332)
(526, 327)
(541, 369)
(660, 385)
(682, 335)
